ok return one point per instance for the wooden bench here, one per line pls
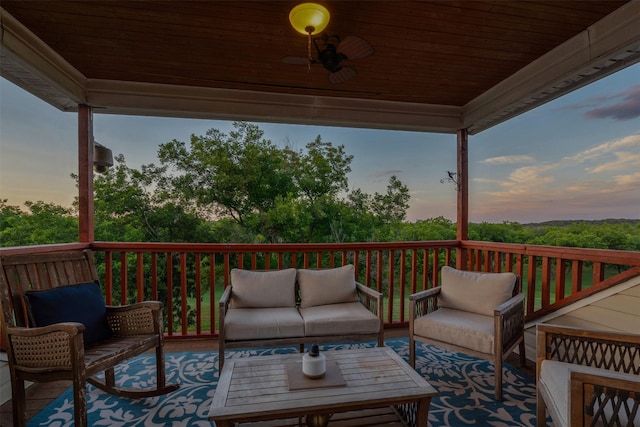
(57, 351)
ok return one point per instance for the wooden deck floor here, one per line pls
(40, 395)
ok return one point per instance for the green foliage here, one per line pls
(507, 232)
(273, 194)
(43, 223)
(229, 176)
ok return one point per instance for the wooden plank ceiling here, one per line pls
(444, 53)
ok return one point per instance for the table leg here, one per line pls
(422, 412)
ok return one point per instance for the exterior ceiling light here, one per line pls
(102, 158)
(309, 18)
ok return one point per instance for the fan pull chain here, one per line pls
(309, 54)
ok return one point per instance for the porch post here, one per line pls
(85, 174)
(463, 195)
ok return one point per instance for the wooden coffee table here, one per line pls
(256, 388)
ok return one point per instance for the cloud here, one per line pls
(626, 106)
(623, 160)
(631, 180)
(594, 153)
(487, 180)
(530, 176)
(504, 160)
(539, 182)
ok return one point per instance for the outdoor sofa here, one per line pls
(298, 306)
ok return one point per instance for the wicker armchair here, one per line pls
(587, 378)
(57, 351)
(480, 314)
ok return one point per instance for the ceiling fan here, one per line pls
(331, 51)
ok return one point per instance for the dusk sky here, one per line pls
(577, 157)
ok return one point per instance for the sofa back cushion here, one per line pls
(475, 292)
(82, 303)
(263, 289)
(327, 286)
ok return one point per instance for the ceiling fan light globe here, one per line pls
(309, 18)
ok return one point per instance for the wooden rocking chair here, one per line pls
(58, 351)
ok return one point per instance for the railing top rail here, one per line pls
(270, 247)
(568, 253)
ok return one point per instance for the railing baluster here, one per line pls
(198, 295)
(576, 276)
(425, 269)
(435, 271)
(154, 276)
(213, 297)
(414, 271)
(531, 284)
(169, 303)
(390, 290)
(140, 277)
(561, 266)
(598, 272)
(546, 281)
(123, 278)
(108, 277)
(183, 293)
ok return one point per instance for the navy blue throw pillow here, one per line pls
(82, 303)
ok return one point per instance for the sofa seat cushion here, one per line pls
(262, 323)
(555, 378)
(339, 319)
(461, 328)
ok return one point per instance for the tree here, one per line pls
(235, 175)
(322, 170)
(279, 194)
(44, 223)
(392, 206)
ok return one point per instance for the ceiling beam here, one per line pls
(228, 104)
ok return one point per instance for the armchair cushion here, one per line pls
(327, 286)
(475, 292)
(461, 328)
(82, 303)
(263, 289)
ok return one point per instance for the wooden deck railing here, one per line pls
(190, 278)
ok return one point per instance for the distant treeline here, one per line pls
(565, 222)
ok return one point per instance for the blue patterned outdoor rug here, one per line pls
(464, 384)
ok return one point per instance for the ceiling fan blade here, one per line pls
(296, 60)
(354, 47)
(342, 75)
